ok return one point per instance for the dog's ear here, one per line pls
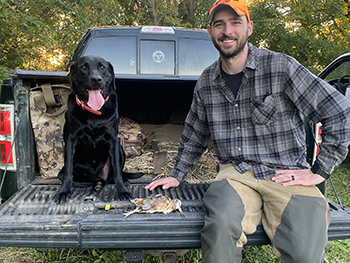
(111, 71)
(70, 69)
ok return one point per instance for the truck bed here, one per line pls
(32, 219)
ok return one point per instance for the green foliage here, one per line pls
(312, 31)
(338, 251)
(37, 33)
(341, 181)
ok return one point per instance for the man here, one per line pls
(250, 102)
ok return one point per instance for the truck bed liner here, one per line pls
(31, 219)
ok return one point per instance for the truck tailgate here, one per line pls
(31, 219)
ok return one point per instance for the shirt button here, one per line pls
(238, 128)
(239, 149)
(223, 87)
(236, 105)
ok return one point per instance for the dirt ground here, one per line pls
(16, 255)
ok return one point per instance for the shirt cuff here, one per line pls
(316, 169)
(178, 175)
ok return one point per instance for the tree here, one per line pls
(19, 33)
(313, 31)
(194, 13)
(36, 33)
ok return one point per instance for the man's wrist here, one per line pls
(178, 175)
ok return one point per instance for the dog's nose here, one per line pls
(96, 79)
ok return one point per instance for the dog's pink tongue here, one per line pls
(96, 100)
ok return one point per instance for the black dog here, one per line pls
(92, 151)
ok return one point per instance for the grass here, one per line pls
(337, 251)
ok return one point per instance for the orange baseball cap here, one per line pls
(238, 5)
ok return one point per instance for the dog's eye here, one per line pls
(83, 67)
(102, 67)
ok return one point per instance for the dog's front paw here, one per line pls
(125, 196)
(61, 197)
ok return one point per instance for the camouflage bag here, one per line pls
(131, 137)
(48, 104)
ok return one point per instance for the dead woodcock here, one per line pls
(155, 204)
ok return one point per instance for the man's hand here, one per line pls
(297, 177)
(166, 182)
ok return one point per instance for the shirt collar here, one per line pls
(252, 59)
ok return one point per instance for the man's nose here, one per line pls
(228, 30)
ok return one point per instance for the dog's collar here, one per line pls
(86, 107)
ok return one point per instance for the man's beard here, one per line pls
(231, 53)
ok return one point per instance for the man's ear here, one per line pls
(209, 30)
(250, 28)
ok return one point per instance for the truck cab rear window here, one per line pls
(195, 55)
(157, 57)
(122, 55)
(187, 57)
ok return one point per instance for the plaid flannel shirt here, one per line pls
(262, 127)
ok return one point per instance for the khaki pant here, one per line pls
(295, 218)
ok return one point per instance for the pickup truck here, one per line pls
(156, 69)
